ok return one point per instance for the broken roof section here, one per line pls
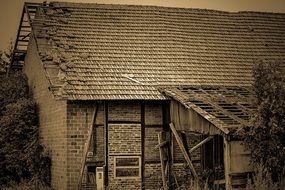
(226, 108)
(93, 51)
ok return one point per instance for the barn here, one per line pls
(144, 97)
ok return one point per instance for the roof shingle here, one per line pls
(126, 52)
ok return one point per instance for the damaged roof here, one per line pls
(227, 108)
(95, 51)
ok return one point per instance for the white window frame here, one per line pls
(125, 167)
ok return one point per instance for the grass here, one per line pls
(262, 180)
(25, 185)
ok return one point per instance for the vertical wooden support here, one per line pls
(86, 147)
(106, 130)
(166, 121)
(142, 142)
(85, 151)
(164, 181)
(184, 152)
(227, 163)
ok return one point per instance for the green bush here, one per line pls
(22, 157)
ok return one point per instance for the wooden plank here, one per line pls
(200, 144)
(227, 164)
(142, 141)
(175, 179)
(86, 147)
(184, 152)
(162, 162)
(106, 134)
(161, 144)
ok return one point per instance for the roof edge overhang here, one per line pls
(218, 123)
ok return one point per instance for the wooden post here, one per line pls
(106, 135)
(227, 163)
(184, 152)
(162, 163)
(142, 143)
(86, 147)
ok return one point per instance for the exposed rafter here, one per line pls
(23, 36)
(225, 107)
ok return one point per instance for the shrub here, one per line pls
(22, 157)
(266, 140)
(26, 185)
(261, 180)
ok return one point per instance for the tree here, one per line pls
(266, 140)
(22, 157)
(5, 58)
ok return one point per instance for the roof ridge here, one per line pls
(152, 7)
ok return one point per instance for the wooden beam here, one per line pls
(94, 124)
(175, 179)
(161, 145)
(142, 142)
(86, 147)
(200, 144)
(164, 182)
(106, 134)
(227, 163)
(184, 152)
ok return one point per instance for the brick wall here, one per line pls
(124, 139)
(153, 178)
(153, 121)
(124, 111)
(153, 113)
(151, 140)
(79, 119)
(52, 117)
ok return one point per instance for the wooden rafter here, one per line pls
(225, 107)
(23, 36)
(221, 110)
(188, 104)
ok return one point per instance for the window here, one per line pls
(127, 167)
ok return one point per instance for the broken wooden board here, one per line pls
(184, 152)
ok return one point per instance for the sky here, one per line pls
(11, 10)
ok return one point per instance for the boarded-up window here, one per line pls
(127, 167)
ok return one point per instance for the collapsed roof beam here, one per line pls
(184, 152)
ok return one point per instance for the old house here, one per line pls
(144, 97)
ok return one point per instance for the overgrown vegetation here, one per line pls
(266, 140)
(5, 59)
(22, 157)
(262, 180)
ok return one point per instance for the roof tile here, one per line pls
(127, 52)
